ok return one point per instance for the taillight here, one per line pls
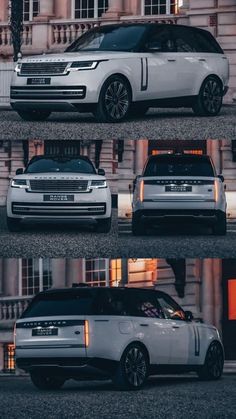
(86, 333)
(216, 190)
(141, 191)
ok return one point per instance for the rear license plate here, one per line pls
(45, 332)
(178, 188)
(38, 81)
(58, 198)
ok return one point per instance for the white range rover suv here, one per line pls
(177, 188)
(59, 189)
(119, 70)
(125, 334)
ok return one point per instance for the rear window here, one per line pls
(60, 165)
(179, 166)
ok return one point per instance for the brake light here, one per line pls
(141, 191)
(216, 190)
(86, 333)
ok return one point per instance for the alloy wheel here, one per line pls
(117, 100)
(135, 367)
(212, 96)
(215, 361)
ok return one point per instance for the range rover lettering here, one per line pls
(125, 334)
(176, 188)
(116, 71)
(59, 189)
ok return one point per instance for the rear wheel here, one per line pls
(103, 225)
(214, 363)
(220, 228)
(210, 98)
(34, 115)
(13, 224)
(46, 382)
(132, 371)
(114, 101)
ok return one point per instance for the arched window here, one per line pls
(159, 7)
(88, 9)
(30, 10)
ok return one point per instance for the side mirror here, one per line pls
(19, 171)
(221, 177)
(135, 181)
(189, 316)
(101, 172)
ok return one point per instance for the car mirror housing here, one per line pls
(101, 172)
(221, 177)
(189, 316)
(19, 171)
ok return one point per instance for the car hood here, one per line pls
(60, 176)
(76, 56)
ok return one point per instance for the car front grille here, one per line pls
(48, 209)
(178, 182)
(44, 185)
(43, 68)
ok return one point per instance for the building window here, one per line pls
(159, 7)
(232, 299)
(115, 272)
(88, 9)
(97, 272)
(62, 148)
(9, 358)
(35, 276)
(30, 9)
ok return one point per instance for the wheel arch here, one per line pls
(212, 343)
(140, 344)
(216, 76)
(123, 76)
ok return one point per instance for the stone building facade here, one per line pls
(135, 153)
(51, 25)
(208, 286)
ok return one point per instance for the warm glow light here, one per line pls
(216, 190)
(86, 333)
(232, 299)
(10, 357)
(141, 191)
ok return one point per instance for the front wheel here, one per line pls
(114, 101)
(45, 382)
(34, 115)
(13, 224)
(214, 363)
(220, 228)
(132, 371)
(210, 98)
(103, 225)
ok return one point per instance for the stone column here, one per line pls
(141, 154)
(207, 292)
(74, 272)
(46, 10)
(10, 277)
(115, 10)
(218, 298)
(216, 155)
(4, 12)
(58, 273)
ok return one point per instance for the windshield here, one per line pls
(109, 38)
(60, 165)
(179, 166)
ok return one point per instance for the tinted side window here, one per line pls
(170, 308)
(184, 39)
(144, 304)
(112, 303)
(160, 40)
(206, 43)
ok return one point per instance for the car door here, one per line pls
(182, 334)
(158, 75)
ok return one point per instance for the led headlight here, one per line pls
(97, 184)
(19, 183)
(83, 65)
(17, 68)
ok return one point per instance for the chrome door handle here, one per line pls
(171, 60)
(202, 59)
(175, 327)
(144, 325)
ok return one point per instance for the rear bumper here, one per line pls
(162, 216)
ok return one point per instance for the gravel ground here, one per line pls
(163, 397)
(157, 124)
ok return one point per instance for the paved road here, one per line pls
(163, 397)
(67, 240)
(157, 124)
(177, 242)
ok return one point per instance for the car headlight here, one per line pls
(19, 183)
(83, 65)
(17, 68)
(97, 184)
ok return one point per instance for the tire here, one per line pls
(214, 363)
(210, 98)
(220, 228)
(133, 368)
(44, 382)
(138, 110)
(138, 228)
(109, 108)
(103, 225)
(34, 115)
(13, 224)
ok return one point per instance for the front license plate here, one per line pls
(45, 332)
(178, 188)
(38, 81)
(58, 198)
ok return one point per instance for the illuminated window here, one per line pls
(36, 276)
(30, 9)
(97, 272)
(159, 7)
(9, 358)
(89, 9)
(115, 272)
(232, 299)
